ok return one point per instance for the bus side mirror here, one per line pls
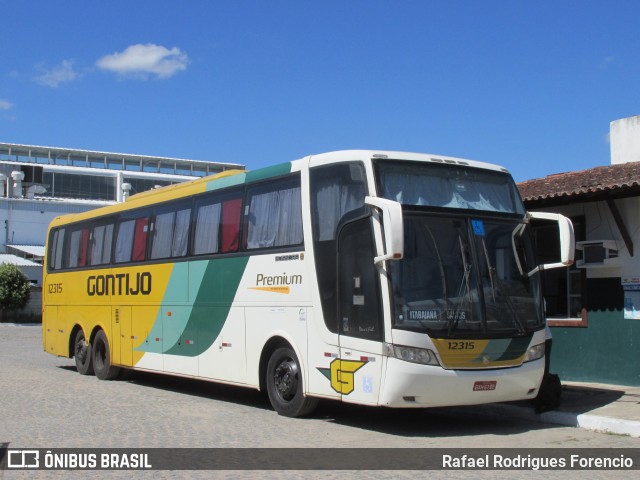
(393, 229)
(567, 239)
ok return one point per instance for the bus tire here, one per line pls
(102, 358)
(82, 354)
(285, 385)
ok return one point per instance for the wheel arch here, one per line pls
(95, 331)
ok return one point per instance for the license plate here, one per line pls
(484, 386)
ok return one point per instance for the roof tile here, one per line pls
(592, 180)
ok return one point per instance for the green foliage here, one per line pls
(15, 289)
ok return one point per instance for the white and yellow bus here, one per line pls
(377, 278)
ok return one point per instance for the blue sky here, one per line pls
(531, 85)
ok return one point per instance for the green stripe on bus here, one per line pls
(217, 289)
(224, 182)
(516, 348)
(274, 171)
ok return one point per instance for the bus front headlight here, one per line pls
(411, 354)
(534, 353)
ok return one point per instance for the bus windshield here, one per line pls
(448, 186)
(466, 276)
(467, 253)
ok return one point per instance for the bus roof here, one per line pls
(238, 177)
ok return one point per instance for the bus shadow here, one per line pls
(424, 422)
(434, 422)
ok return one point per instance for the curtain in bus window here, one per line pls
(59, 249)
(207, 225)
(181, 233)
(412, 189)
(476, 194)
(162, 235)
(84, 248)
(74, 249)
(140, 239)
(479, 196)
(53, 249)
(101, 247)
(231, 225)
(124, 242)
(275, 219)
(334, 201)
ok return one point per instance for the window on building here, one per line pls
(139, 185)
(87, 187)
(563, 288)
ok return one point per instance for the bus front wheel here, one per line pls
(102, 358)
(82, 354)
(284, 385)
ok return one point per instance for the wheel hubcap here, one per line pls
(81, 351)
(286, 379)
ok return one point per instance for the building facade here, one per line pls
(593, 307)
(38, 184)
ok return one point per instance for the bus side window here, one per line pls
(56, 250)
(140, 239)
(230, 237)
(274, 215)
(78, 248)
(124, 241)
(207, 227)
(180, 239)
(170, 234)
(102, 238)
(218, 224)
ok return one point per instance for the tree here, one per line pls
(15, 289)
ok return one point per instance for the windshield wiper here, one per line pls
(501, 291)
(443, 275)
(490, 268)
(452, 320)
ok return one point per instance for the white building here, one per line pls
(39, 183)
(593, 307)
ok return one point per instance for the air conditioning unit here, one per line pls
(598, 253)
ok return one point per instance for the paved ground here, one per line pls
(44, 403)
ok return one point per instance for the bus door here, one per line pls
(360, 318)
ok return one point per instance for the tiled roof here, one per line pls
(612, 179)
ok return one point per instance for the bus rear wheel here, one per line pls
(82, 354)
(102, 358)
(284, 385)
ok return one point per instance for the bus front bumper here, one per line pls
(412, 385)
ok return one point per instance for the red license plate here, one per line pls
(484, 386)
